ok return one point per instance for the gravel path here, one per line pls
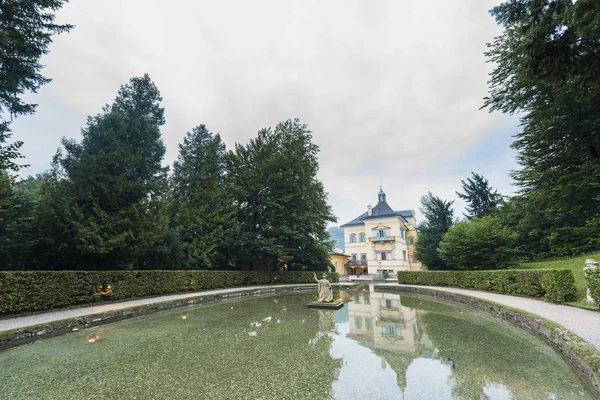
(42, 318)
(583, 323)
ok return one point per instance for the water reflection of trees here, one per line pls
(487, 353)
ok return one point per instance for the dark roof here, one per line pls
(335, 253)
(381, 210)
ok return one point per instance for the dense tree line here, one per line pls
(109, 203)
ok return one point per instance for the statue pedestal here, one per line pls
(334, 305)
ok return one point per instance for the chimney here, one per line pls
(369, 210)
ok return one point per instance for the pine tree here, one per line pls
(481, 198)
(111, 184)
(201, 207)
(438, 217)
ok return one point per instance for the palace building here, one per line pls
(381, 240)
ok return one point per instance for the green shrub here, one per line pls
(556, 285)
(479, 244)
(42, 290)
(592, 277)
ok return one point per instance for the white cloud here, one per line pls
(391, 89)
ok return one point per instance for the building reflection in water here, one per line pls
(382, 319)
(393, 333)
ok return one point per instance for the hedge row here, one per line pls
(592, 277)
(556, 285)
(43, 290)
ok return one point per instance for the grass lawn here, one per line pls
(576, 265)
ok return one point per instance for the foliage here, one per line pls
(481, 198)
(43, 290)
(575, 264)
(547, 71)
(556, 285)
(281, 206)
(438, 217)
(201, 208)
(592, 277)
(18, 230)
(26, 33)
(481, 243)
(108, 189)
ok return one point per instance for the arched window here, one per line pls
(353, 238)
(362, 237)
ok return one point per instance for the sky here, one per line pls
(391, 90)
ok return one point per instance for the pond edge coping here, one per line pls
(18, 336)
(583, 357)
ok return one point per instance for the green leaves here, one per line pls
(547, 70)
(281, 206)
(481, 243)
(480, 197)
(438, 218)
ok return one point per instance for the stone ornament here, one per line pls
(325, 290)
(590, 264)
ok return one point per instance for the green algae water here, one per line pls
(379, 346)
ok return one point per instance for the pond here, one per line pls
(379, 346)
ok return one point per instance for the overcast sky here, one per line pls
(390, 89)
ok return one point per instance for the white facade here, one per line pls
(377, 240)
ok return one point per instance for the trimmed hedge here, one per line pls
(42, 290)
(556, 285)
(592, 277)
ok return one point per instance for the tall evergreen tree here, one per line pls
(281, 205)
(547, 70)
(111, 184)
(438, 217)
(26, 30)
(481, 198)
(201, 207)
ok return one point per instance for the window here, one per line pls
(414, 259)
(382, 233)
(354, 257)
(353, 238)
(369, 323)
(358, 322)
(404, 254)
(362, 237)
(402, 233)
(388, 255)
(383, 255)
(363, 257)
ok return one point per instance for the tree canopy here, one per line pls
(26, 30)
(438, 217)
(481, 198)
(547, 71)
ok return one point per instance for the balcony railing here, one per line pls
(383, 238)
(357, 263)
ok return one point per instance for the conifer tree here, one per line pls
(201, 207)
(111, 184)
(481, 198)
(438, 217)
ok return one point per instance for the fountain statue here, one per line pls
(325, 291)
